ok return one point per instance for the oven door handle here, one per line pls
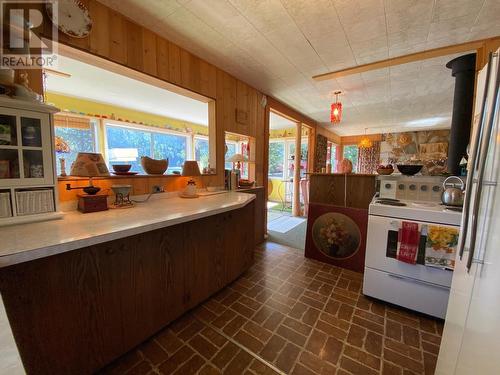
(416, 281)
(473, 163)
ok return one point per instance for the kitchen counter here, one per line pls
(94, 286)
(21, 243)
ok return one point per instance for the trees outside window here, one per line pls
(351, 153)
(171, 147)
(276, 159)
(121, 137)
(201, 152)
(78, 140)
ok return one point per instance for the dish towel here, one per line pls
(408, 240)
(441, 246)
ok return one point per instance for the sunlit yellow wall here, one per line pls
(91, 108)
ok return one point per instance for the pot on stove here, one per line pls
(453, 192)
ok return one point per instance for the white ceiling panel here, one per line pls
(278, 45)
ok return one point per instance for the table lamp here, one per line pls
(89, 164)
(190, 169)
(237, 158)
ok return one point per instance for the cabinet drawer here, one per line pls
(410, 293)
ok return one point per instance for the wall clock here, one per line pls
(73, 18)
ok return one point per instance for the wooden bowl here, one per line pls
(385, 171)
(122, 168)
(154, 166)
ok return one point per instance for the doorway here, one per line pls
(286, 223)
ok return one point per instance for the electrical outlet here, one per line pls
(158, 189)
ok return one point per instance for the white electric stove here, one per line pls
(416, 287)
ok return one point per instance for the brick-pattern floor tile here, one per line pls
(296, 314)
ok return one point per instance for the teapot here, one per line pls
(452, 195)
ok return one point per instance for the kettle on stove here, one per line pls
(453, 195)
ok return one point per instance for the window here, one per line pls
(351, 153)
(155, 144)
(281, 158)
(126, 138)
(231, 149)
(173, 147)
(201, 152)
(78, 134)
(332, 155)
(276, 159)
(303, 158)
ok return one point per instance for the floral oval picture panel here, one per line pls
(336, 235)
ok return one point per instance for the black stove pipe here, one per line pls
(463, 68)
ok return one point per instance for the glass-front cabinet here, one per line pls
(25, 148)
(27, 176)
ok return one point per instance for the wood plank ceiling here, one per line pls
(277, 46)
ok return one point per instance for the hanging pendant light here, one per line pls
(365, 142)
(336, 109)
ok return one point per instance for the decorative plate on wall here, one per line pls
(73, 18)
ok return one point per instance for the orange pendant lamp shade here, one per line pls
(336, 110)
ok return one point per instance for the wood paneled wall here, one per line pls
(121, 40)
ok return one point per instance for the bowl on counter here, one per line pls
(154, 166)
(385, 170)
(409, 169)
(122, 168)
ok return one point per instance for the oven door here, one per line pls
(381, 242)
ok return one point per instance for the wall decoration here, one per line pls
(368, 158)
(73, 18)
(428, 147)
(337, 235)
(320, 152)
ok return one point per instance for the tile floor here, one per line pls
(290, 315)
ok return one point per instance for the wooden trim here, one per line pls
(296, 171)
(284, 110)
(423, 55)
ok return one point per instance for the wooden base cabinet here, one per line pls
(75, 312)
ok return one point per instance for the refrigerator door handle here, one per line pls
(473, 162)
(482, 162)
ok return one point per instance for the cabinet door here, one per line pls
(35, 142)
(25, 148)
(10, 155)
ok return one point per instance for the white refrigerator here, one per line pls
(471, 337)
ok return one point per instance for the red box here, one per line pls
(92, 203)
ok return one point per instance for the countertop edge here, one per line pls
(60, 248)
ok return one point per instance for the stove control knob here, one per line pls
(388, 186)
(413, 187)
(436, 188)
(423, 187)
(401, 186)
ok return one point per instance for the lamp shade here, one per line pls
(89, 164)
(190, 168)
(237, 158)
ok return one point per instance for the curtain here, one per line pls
(368, 158)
